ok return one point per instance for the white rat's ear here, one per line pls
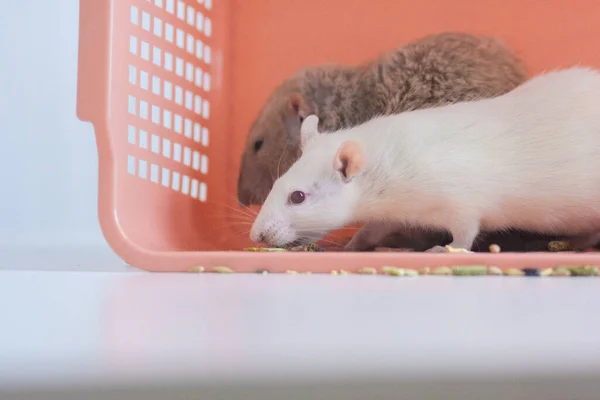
(349, 160)
(309, 129)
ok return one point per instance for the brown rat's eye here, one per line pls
(297, 197)
(301, 119)
(258, 144)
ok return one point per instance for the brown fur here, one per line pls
(428, 72)
(431, 71)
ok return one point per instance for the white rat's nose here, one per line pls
(256, 234)
(272, 233)
(258, 237)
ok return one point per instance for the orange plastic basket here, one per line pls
(172, 86)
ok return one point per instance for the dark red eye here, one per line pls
(297, 197)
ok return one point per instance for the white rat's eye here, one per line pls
(297, 197)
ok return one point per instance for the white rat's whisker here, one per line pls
(329, 242)
(233, 213)
(229, 223)
(237, 223)
(238, 217)
(239, 206)
(247, 212)
(234, 217)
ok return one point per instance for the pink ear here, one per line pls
(349, 160)
(297, 105)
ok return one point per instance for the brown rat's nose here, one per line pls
(252, 191)
(244, 198)
(243, 193)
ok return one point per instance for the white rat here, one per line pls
(529, 159)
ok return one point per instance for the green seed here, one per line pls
(514, 272)
(561, 271)
(582, 270)
(546, 272)
(411, 272)
(392, 271)
(464, 270)
(367, 271)
(264, 249)
(442, 271)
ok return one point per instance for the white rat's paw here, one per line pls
(437, 249)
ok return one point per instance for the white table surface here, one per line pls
(102, 334)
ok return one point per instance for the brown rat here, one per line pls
(431, 71)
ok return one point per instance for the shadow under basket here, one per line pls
(172, 87)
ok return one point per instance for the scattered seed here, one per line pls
(442, 271)
(306, 247)
(394, 271)
(262, 271)
(424, 271)
(559, 245)
(197, 269)
(531, 271)
(411, 272)
(223, 270)
(464, 270)
(561, 271)
(291, 272)
(514, 272)
(451, 249)
(546, 272)
(493, 270)
(344, 272)
(334, 272)
(582, 270)
(494, 248)
(264, 249)
(367, 271)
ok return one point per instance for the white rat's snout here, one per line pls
(272, 233)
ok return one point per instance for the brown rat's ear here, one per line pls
(309, 129)
(349, 160)
(297, 105)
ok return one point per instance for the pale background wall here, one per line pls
(48, 159)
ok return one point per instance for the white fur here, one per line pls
(529, 159)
